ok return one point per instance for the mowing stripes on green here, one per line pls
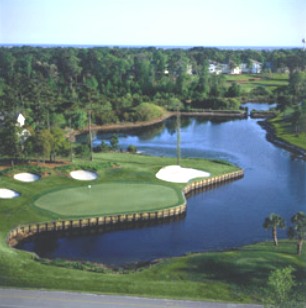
(104, 199)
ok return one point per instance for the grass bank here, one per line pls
(286, 132)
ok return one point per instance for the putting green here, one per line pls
(103, 199)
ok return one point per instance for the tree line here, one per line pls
(57, 85)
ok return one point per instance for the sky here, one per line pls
(154, 22)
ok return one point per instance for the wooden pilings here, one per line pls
(25, 231)
(213, 180)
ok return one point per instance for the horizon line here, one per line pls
(147, 46)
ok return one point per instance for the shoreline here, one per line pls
(273, 138)
(169, 114)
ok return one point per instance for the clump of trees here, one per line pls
(296, 231)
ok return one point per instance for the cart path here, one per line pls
(19, 298)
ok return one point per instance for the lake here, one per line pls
(225, 217)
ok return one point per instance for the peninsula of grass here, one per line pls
(232, 276)
(115, 171)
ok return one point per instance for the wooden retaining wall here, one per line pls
(24, 231)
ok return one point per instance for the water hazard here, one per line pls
(224, 217)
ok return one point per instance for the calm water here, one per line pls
(228, 216)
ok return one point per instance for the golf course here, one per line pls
(126, 183)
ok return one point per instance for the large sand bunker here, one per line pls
(83, 175)
(177, 174)
(8, 193)
(26, 177)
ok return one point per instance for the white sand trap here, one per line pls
(83, 175)
(26, 177)
(8, 193)
(177, 174)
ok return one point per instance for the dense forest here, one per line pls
(59, 87)
(54, 85)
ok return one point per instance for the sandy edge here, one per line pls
(8, 193)
(26, 177)
(83, 175)
(177, 174)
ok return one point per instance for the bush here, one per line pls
(279, 287)
(82, 151)
(132, 149)
(148, 111)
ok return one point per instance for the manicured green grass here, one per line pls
(104, 199)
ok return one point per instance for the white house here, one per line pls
(20, 120)
(24, 134)
(215, 68)
(218, 68)
(253, 68)
(226, 69)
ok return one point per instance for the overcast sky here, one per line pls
(154, 22)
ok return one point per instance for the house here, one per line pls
(253, 67)
(227, 69)
(236, 70)
(19, 118)
(24, 134)
(215, 68)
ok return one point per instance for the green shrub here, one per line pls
(148, 111)
(131, 149)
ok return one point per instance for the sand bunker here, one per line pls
(83, 175)
(177, 174)
(26, 177)
(8, 193)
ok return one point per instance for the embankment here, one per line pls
(272, 137)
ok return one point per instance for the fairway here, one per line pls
(103, 199)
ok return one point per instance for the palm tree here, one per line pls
(298, 231)
(274, 221)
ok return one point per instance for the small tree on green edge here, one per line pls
(274, 221)
(298, 230)
(280, 284)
